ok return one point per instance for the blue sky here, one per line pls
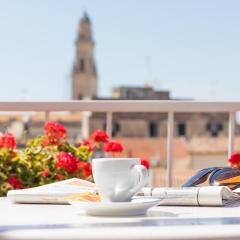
(191, 48)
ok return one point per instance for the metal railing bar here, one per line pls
(109, 124)
(122, 106)
(231, 133)
(170, 131)
(47, 116)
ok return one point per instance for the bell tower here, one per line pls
(84, 75)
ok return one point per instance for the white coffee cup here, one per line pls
(118, 179)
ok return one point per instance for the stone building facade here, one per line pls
(84, 82)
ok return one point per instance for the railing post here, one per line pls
(231, 132)
(47, 116)
(170, 128)
(86, 124)
(109, 124)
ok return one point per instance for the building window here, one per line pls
(115, 128)
(181, 129)
(214, 128)
(220, 126)
(153, 129)
(82, 65)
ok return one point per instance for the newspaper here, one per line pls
(51, 193)
(190, 196)
(193, 196)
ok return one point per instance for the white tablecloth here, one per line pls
(36, 221)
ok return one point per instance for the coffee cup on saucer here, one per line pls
(118, 179)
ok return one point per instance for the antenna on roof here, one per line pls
(157, 84)
(148, 69)
(147, 84)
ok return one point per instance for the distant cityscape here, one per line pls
(85, 86)
(199, 137)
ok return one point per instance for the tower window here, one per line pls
(153, 129)
(82, 65)
(181, 129)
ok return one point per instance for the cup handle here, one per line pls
(142, 173)
(142, 179)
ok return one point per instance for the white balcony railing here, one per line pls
(110, 107)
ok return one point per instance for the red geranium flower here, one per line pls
(87, 168)
(45, 172)
(67, 161)
(59, 176)
(234, 160)
(46, 141)
(15, 182)
(55, 133)
(145, 163)
(7, 140)
(13, 154)
(100, 136)
(86, 143)
(113, 146)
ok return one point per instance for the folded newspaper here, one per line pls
(193, 196)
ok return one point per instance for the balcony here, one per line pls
(110, 107)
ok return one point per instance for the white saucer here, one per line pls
(137, 206)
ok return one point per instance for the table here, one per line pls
(36, 221)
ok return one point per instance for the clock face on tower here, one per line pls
(84, 76)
